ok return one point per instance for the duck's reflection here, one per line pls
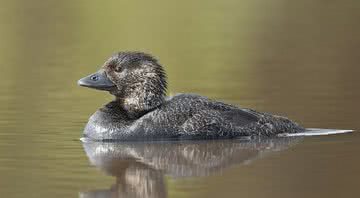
(139, 167)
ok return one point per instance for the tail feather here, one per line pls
(316, 132)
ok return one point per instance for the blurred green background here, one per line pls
(295, 58)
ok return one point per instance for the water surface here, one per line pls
(298, 59)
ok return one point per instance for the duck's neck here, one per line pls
(140, 101)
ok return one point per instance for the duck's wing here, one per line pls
(215, 123)
(240, 117)
(233, 114)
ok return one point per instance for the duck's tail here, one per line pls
(315, 132)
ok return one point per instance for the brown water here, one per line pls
(295, 58)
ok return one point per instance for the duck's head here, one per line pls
(136, 79)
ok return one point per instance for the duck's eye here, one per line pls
(118, 69)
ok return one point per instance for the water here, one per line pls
(298, 59)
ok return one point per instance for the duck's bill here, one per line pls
(315, 132)
(98, 80)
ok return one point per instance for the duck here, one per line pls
(142, 110)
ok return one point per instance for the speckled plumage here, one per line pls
(141, 110)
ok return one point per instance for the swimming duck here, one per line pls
(142, 111)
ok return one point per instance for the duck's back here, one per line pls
(186, 116)
(196, 115)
